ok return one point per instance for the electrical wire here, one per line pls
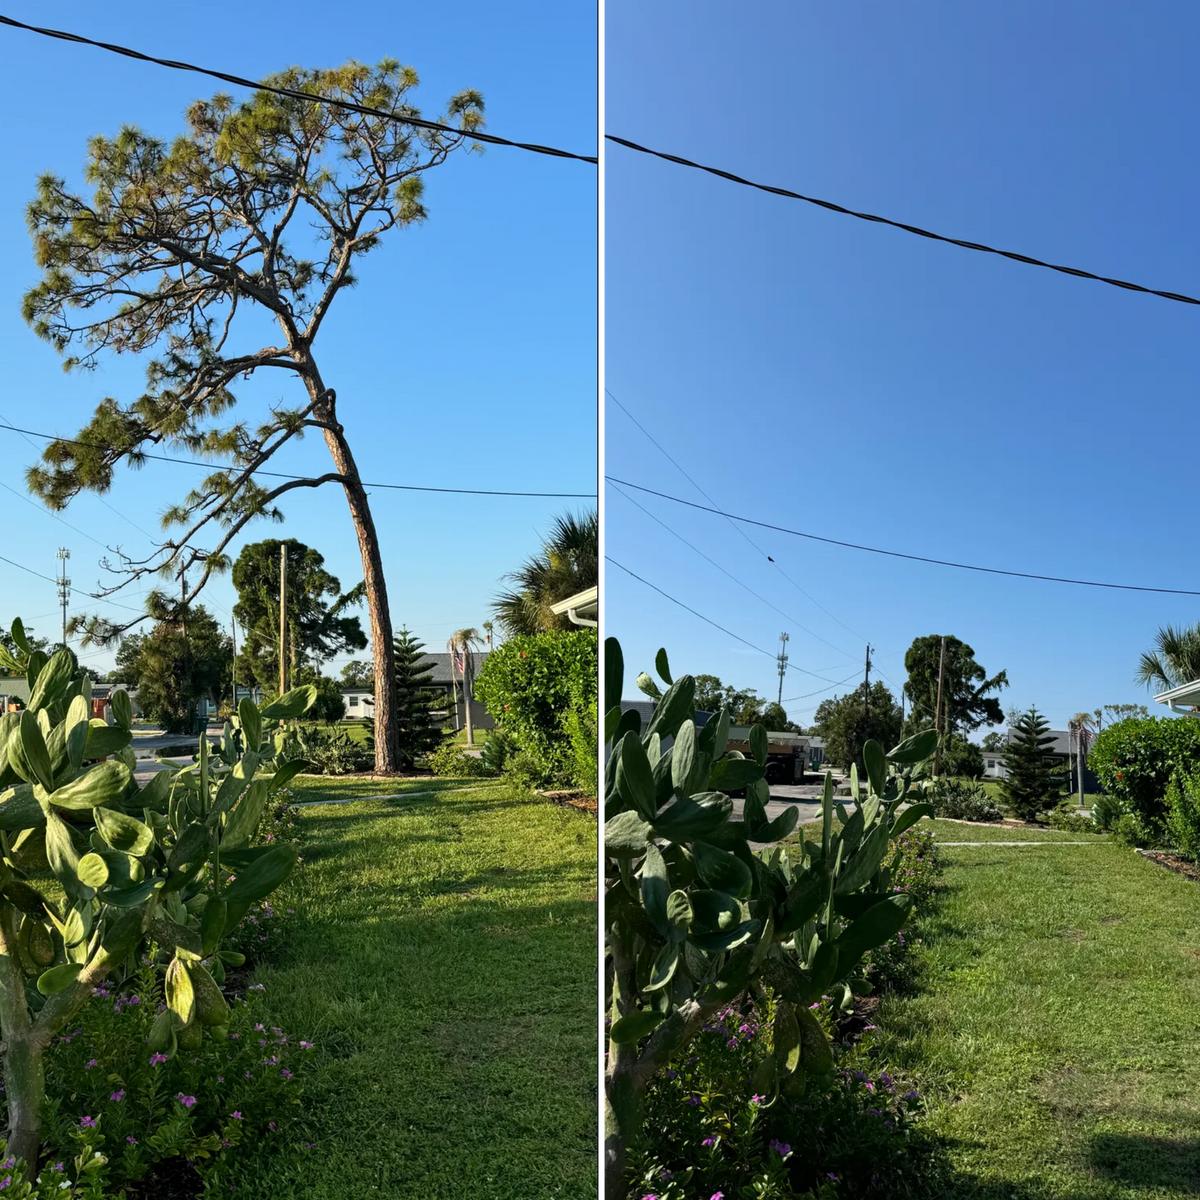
(365, 109)
(742, 532)
(689, 609)
(821, 692)
(191, 462)
(732, 576)
(939, 562)
(915, 229)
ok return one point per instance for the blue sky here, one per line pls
(466, 357)
(857, 382)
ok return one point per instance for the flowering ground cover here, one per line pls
(442, 959)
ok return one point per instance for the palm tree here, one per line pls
(1175, 659)
(465, 642)
(568, 562)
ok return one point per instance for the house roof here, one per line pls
(1063, 742)
(440, 663)
(15, 685)
(1186, 696)
(585, 604)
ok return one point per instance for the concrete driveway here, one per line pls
(148, 745)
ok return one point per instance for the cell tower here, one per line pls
(64, 587)
(782, 660)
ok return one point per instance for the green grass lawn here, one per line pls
(443, 960)
(1055, 1034)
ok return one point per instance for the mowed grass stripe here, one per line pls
(444, 961)
(1056, 1035)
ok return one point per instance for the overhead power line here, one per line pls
(208, 466)
(755, 545)
(940, 562)
(787, 193)
(365, 109)
(822, 691)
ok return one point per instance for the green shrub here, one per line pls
(1069, 819)
(960, 757)
(1136, 759)
(449, 759)
(498, 751)
(541, 689)
(329, 751)
(1128, 830)
(1106, 811)
(1183, 814)
(962, 800)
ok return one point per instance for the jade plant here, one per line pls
(96, 873)
(700, 907)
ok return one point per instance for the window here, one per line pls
(991, 762)
(353, 701)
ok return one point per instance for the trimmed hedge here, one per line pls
(541, 689)
(1136, 759)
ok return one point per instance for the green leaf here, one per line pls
(76, 731)
(877, 925)
(251, 724)
(656, 887)
(244, 819)
(725, 939)
(122, 709)
(824, 966)
(781, 827)
(290, 705)
(33, 746)
(876, 765)
(123, 832)
(212, 924)
(723, 872)
(691, 817)
(614, 674)
(59, 978)
(663, 667)
(758, 744)
(62, 855)
(52, 680)
(156, 793)
(714, 911)
(19, 808)
(263, 876)
(284, 775)
(910, 816)
(626, 834)
(915, 749)
(679, 914)
(635, 777)
(634, 1026)
(676, 706)
(19, 637)
(732, 774)
(683, 758)
(103, 740)
(803, 902)
(663, 970)
(97, 785)
(865, 862)
(179, 992)
(93, 871)
(787, 1037)
(815, 1052)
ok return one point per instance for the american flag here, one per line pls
(460, 661)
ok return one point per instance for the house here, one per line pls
(583, 608)
(1063, 751)
(360, 701)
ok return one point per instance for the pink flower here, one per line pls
(186, 1101)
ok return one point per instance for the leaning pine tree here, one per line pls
(418, 704)
(1034, 782)
(219, 256)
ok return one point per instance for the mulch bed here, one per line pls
(580, 801)
(1173, 862)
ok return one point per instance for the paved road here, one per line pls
(147, 746)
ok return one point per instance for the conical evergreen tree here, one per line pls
(419, 730)
(1034, 783)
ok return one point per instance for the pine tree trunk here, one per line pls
(383, 651)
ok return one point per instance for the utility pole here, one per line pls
(233, 628)
(937, 718)
(64, 587)
(867, 690)
(782, 660)
(282, 618)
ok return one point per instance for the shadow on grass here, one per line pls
(1142, 1161)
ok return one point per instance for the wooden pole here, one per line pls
(282, 618)
(233, 627)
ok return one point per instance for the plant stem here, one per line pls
(24, 1074)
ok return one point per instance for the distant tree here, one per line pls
(129, 660)
(841, 724)
(221, 254)
(1034, 782)
(960, 757)
(417, 701)
(568, 563)
(774, 717)
(330, 704)
(1174, 659)
(1119, 712)
(174, 670)
(993, 741)
(317, 626)
(358, 674)
(462, 645)
(745, 706)
(967, 702)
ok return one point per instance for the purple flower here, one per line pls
(717, 1196)
(693, 1100)
(186, 1101)
(237, 1116)
(910, 1095)
(757, 1099)
(780, 1148)
(90, 1064)
(306, 1045)
(835, 1178)
(257, 987)
(709, 1141)
(155, 1059)
(86, 1122)
(118, 1096)
(286, 1073)
(131, 1140)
